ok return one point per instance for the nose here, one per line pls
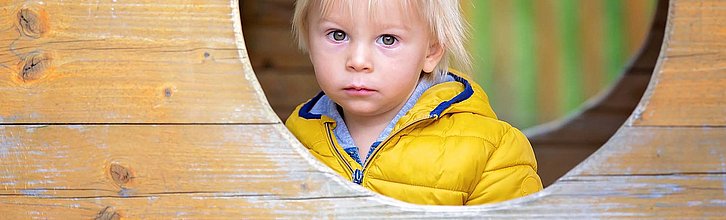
(359, 58)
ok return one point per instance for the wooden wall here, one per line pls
(114, 110)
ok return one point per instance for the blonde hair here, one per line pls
(446, 25)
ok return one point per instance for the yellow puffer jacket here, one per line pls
(449, 149)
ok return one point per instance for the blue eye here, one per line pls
(387, 40)
(337, 35)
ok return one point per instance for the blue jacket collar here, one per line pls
(305, 110)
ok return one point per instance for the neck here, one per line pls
(368, 127)
(365, 129)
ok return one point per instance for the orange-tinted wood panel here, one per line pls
(116, 62)
(691, 87)
(136, 160)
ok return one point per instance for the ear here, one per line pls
(433, 56)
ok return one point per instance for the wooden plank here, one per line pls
(656, 150)
(658, 196)
(114, 62)
(576, 197)
(134, 160)
(257, 169)
(691, 83)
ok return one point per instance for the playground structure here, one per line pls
(151, 110)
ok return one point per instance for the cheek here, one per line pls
(324, 70)
(402, 58)
(324, 55)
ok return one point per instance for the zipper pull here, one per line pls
(358, 176)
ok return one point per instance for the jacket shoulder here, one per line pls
(508, 168)
(472, 125)
(510, 146)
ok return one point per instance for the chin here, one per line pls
(358, 109)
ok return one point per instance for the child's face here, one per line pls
(369, 62)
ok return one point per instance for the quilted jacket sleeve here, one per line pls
(510, 172)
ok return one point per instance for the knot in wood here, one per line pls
(108, 214)
(31, 23)
(121, 175)
(34, 65)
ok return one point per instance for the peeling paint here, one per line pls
(77, 127)
(8, 183)
(694, 203)
(42, 170)
(662, 190)
(31, 128)
(8, 142)
(34, 192)
(125, 192)
(38, 182)
(36, 152)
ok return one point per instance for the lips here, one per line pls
(358, 90)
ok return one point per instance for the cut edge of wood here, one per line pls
(248, 72)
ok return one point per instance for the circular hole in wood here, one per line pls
(571, 73)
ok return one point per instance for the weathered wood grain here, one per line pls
(115, 62)
(660, 151)
(133, 160)
(573, 197)
(691, 85)
(150, 166)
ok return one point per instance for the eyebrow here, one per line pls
(328, 20)
(377, 23)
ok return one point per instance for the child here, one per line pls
(392, 117)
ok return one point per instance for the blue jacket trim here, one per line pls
(305, 109)
(468, 91)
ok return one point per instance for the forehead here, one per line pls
(382, 12)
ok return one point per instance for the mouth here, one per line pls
(358, 90)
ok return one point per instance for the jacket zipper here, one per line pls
(382, 144)
(357, 175)
(353, 173)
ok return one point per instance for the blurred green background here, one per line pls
(539, 60)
